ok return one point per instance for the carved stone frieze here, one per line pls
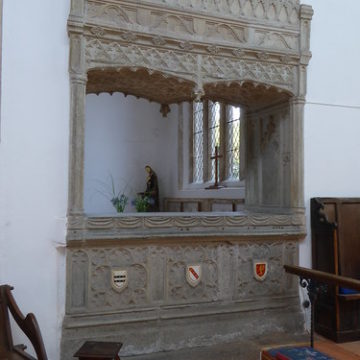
(146, 20)
(220, 68)
(98, 31)
(113, 14)
(186, 45)
(210, 67)
(274, 40)
(186, 221)
(285, 12)
(226, 273)
(100, 53)
(205, 225)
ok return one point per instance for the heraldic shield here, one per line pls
(193, 274)
(260, 270)
(119, 279)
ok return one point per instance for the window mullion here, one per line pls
(191, 144)
(206, 159)
(223, 143)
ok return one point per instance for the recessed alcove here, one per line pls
(122, 136)
(179, 57)
(125, 131)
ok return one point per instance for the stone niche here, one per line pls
(248, 52)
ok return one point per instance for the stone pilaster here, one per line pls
(78, 80)
(297, 152)
(306, 14)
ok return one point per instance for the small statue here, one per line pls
(152, 190)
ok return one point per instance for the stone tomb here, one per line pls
(166, 281)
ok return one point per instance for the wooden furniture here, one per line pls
(202, 205)
(314, 281)
(335, 227)
(92, 350)
(27, 324)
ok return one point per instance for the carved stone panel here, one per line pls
(274, 284)
(178, 290)
(79, 278)
(101, 293)
(156, 275)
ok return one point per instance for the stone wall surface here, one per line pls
(158, 309)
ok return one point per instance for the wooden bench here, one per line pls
(27, 324)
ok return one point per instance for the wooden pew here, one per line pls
(27, 324)
(335, 233)
(316, 282)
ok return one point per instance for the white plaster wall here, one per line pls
(332, 130)
(122, 136)
(34, 159)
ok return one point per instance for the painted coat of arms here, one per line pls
(260, 270)
(119, 279)
(193, 274)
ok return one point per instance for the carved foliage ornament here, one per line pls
(188, 65)
(285, 12)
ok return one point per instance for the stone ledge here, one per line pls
(145, 226)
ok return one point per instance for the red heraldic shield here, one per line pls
(260, 270)
(193, 274)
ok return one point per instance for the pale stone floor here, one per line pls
(239, 350)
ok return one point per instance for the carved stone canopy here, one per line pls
(167, 89)
(151, 85)
(249, 94)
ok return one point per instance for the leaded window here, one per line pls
(214, 135)
(216, 125)
(198, 143)
(232, 149)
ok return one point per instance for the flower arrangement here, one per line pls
(119, 202)
(117, 198)
(141, 203)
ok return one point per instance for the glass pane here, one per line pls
(198, 142)
(233, 143)
(214, 135)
